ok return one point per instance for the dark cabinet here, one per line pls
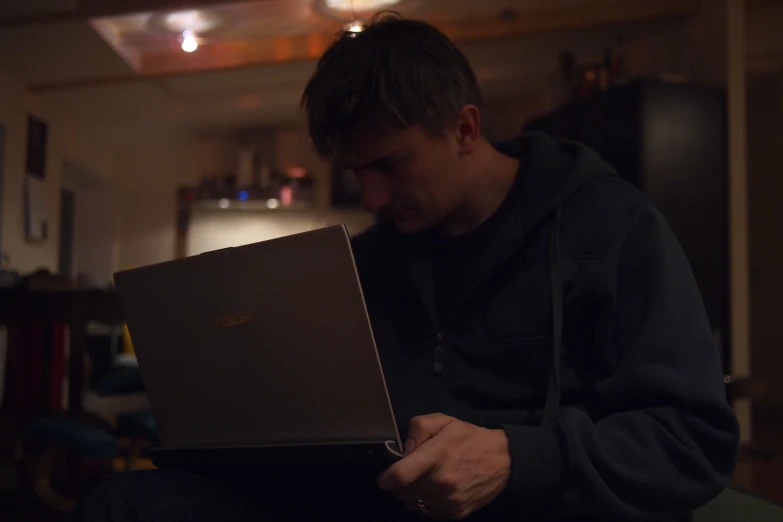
(670, 140)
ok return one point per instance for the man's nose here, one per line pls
(375, 191)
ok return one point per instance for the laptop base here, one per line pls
(372, 456)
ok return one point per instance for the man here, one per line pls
(545, 346)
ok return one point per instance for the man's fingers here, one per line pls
(422, 488)
(408, 469)
(423, 428)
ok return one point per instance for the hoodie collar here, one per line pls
(555, 170)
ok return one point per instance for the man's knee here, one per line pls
(156, 495)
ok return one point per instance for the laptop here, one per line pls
(261, 352)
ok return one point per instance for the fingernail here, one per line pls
(410, 445)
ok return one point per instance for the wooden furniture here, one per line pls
(75, 437)
(73, 307)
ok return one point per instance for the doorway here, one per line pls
(87, 232)
(67, 232)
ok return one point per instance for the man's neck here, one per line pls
(494, 175)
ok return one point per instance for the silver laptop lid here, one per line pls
(259, 345)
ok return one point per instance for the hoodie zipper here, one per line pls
(437, 366)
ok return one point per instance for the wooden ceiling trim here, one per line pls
(222, 56)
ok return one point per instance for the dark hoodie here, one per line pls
(580, 332)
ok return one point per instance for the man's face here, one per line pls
(409, 176)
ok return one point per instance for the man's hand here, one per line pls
(450, 469)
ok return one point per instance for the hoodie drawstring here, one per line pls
(552, 405)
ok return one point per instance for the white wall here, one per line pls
(212, 230)
(16, 104)
(66, 141)
(95, 223)
(146, 191)
(95, 233)
(294, 147)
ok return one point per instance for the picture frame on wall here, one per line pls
(37, 138)
(35, 211)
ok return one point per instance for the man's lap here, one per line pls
(158, 495)
(171, 495)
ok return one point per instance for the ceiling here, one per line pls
(119, 66)
(273, 31)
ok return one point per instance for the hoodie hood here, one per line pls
(552, 171)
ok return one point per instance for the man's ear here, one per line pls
(468, 129)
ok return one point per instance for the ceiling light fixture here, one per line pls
(193, 20)
(355, 27)
(359, 5)
(189, 42)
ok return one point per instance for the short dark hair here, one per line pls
(396, 73)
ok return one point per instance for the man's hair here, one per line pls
(394, 74)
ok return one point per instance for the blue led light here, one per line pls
(243, 195)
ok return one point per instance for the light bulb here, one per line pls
(189, 43)
(224, 203)
(355, 27)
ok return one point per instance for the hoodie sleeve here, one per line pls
(666, 439)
